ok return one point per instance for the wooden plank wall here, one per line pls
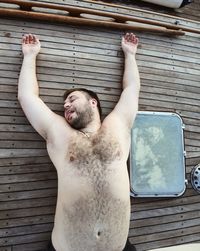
(92, 58)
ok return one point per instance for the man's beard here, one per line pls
(83, 118)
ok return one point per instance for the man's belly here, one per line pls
(92, 213)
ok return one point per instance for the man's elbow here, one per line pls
(21, 96)
(26, 95)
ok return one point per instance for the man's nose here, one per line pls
(66, 105)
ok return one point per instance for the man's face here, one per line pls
(78, 110)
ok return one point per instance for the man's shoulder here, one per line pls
(116, 125)
(113, 119)
(59, 129)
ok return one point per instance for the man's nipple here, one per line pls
(71, 158)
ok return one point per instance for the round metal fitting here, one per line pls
(195, 178)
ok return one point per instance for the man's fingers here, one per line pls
(133, 37)
(130, 37)
(30, 36)
(30, 39)
(134, 40)
(127, 36)
(23, 39)
(34, 39)
(26, 39)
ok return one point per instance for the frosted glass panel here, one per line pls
(157, 155)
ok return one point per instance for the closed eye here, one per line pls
(73, 99)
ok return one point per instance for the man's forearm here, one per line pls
(28, 84)
(131, 74)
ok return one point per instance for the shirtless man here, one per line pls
(90, 156)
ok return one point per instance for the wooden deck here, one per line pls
(92, 58)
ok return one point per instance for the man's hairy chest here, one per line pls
(94, 154)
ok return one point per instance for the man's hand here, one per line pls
(129, 44)
(30, 45)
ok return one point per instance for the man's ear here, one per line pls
(93, 102)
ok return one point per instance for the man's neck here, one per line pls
(91, 128)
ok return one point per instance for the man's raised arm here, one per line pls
(127, 105)
(38, 114)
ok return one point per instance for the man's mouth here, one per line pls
(69, 115)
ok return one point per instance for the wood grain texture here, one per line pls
(74, 56)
